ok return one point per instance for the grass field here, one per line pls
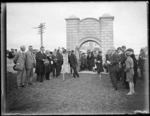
(85, 95)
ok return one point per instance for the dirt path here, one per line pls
(87, 94)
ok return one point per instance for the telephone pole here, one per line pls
(41, 28)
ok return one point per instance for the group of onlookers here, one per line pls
(44, 63)
(92, 61)
(121, 64)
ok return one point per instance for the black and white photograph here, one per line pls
(74, 58)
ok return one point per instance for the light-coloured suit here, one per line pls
(19, 60)
(29, 65)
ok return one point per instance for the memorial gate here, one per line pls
(90, 29)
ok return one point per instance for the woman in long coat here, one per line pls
(99, 63)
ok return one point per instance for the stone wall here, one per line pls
(89, 27)
(106, 35)
(101, 31)
(72, 33)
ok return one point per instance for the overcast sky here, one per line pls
(130, 22)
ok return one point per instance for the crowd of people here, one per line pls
(123, 65)
(120, 63)
(45, 63)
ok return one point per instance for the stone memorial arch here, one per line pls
(90, 29)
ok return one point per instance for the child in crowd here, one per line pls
(129, 69)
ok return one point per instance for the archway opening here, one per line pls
(89, 45)
(88, 64)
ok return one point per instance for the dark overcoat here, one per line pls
(114, 66)
(135, 62)
(123, 58)
(49, 66)
(40, 68)
(99, 65)
(73, 60)
(141, 61)
(60, 58)
(90, 61)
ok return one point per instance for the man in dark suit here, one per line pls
(99, 63)
(40, 68)
(123, 73)
(113, 67)
(60, 62)
(73, 61)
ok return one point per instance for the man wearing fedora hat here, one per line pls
(19, 60)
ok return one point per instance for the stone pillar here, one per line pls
(72, 32)
(106, 24)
